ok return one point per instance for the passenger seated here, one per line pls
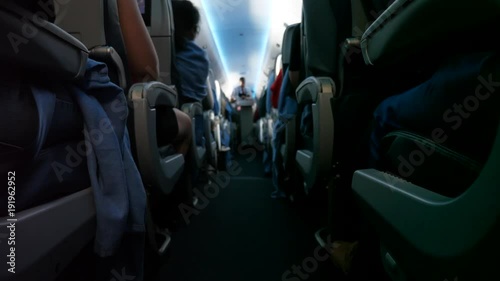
(266, 155)
(287, 108)
(64, 108)
(272, 98)
(191, 61)
(457, 107)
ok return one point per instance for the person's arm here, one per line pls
(141, 53)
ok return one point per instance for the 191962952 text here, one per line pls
(11, 210)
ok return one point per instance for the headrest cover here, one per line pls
(35, 45)
(290, 36)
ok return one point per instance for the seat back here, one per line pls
(337, 68)
(287, 104)
(49, 57)
(100, 35)
(286, 46)
(162, 32)
(159, 167)
(114, 39)
(84, 20)
(326, 25)
(36, 54)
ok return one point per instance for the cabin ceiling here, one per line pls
(243, 37)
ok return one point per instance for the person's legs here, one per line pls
(182, 144)
(447, 108)
(182, 141)
(174, 128)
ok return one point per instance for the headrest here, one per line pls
(327, 23)
(288, 42)
(412, 30)
(36, 45)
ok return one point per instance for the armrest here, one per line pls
(52, 235)
(156, 170)
(409, 27)
(435, 225)
(155, 93)
(51, 52)
(193, 108)
(318, 163)
(112, 59)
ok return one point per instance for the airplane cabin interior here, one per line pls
(211, 140)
